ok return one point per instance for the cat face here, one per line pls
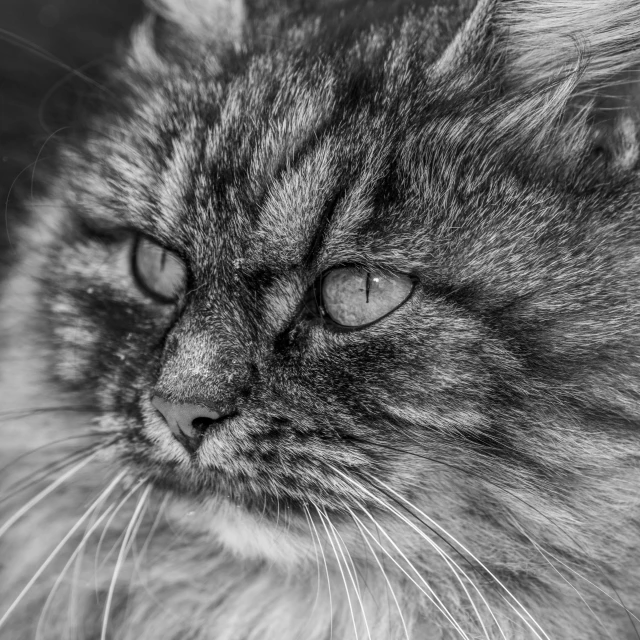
(368, 271)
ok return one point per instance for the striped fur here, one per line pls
(465, 467)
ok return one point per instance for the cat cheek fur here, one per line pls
(466, 467)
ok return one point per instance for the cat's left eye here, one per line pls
(160, 272)
(353, 297)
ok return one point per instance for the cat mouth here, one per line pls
(246, 461)
(260, 492)
(217, 487)
(255, 489)
(190, 442)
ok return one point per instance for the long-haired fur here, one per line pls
(466, 466)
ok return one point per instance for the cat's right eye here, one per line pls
(158, 271)
(353, 297)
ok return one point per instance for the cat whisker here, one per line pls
(25, 413)
(351, 572)
(326, 568)
(381, 486)
(307, 516)
(382, 570)
(53, 443)
(107, 526)
(433, 597)
(617, 601)
(72, 558)
(137, 562)
(455, 568)
(96, 503)
(38, 51)
(134, 553)
(73, 608)
(513, 495)
(47, 470)
(152, 530)
(50, 137)
(346, 585)
(520, 610)
(45, 492)
(57, 85)
(429, 593)
(132, 547)
(564, 578)
(124, 548)
(8, 200)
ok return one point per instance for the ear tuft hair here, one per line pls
(218, 21)
(597, 41)
(573, 63)
(545, 38)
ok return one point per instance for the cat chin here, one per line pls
(245, 535)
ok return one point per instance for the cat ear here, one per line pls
(577, 60)
(216, 21)
(544, 38)
(186, 31)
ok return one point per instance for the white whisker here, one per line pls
(554, 568)
(346, 586)
(315, 549)
(456, 569)
(72, 620)
(352, 576)
(36, 50)
(384, 574)
(60, 545)
(430, 594)
(132, 544)
(326, 568)
(152, 530)
(44, 493)
(582, 577)
(124, 548)
(523, 610)
(72, 557)
(107, 526)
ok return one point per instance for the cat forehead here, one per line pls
(292, 156)
(266, 157)
(286, 198)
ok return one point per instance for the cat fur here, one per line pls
(489, 150)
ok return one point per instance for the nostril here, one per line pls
(188, 422)
(202, 424)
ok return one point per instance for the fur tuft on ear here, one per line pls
(596, 41)
(545, 38)
(210, 20)
(571, 66)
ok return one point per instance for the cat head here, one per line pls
(328, 268)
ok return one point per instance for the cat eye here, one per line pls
(353, 297)
(160, 272)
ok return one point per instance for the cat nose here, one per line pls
(188, 422)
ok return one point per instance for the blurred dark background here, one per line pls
(41, 41)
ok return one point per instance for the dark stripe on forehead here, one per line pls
(176, 183)
(323, 224)
(294, 206)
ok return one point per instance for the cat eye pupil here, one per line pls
(159, 271)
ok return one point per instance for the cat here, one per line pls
(327, 326)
